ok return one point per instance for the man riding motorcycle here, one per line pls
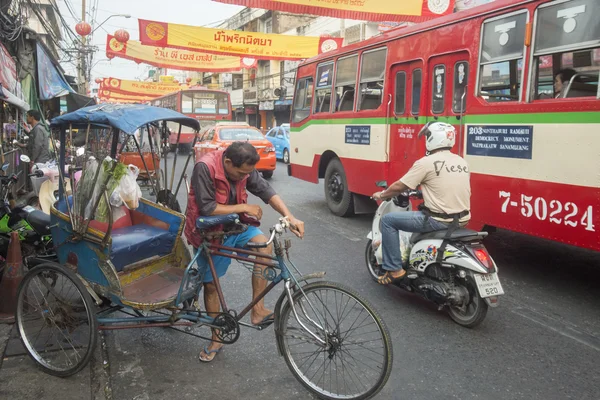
(445, 182)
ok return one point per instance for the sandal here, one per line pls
(268, 320)
(387, 278)
(208, 353)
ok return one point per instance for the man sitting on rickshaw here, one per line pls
(219, 183)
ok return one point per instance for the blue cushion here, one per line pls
(138, 242)
(205, 222)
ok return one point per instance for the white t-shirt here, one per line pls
(445, 182)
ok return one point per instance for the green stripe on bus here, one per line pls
(591, 117)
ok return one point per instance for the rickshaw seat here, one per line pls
(213, 220)
(134, 243)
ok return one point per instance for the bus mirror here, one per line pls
(382, 184)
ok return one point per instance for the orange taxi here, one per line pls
(224, 133)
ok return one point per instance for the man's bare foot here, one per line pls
(208, 353)
(258, 317)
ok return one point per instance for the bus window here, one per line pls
(567, 45)
(461, 74)
(302, 99)
(323, 88)
(438, 89)
(400, 92)
(372, 71)
(345, 83)
(501, 57)
(416, 92)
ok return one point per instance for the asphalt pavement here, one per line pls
(542, 342)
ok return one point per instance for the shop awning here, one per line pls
(51, 81)
(7, 96)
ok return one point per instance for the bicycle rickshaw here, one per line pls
(334, 343)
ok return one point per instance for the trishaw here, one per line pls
(138, 273)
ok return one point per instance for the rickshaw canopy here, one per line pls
(125, 117)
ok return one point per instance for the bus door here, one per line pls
(448, 78)
(404, 120)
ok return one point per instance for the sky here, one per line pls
(189, 12)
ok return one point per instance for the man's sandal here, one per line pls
(387, 278)
(208, 353)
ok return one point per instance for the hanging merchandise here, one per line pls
(262, 46)
(366, 10)
(184, 60)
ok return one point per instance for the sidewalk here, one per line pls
(21, 379)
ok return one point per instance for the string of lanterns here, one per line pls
(84, 29)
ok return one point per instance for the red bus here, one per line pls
(534, 155)
(207, 105)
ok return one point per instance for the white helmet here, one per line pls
(438, 135)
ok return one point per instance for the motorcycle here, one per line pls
(463, 280)
(33, 226)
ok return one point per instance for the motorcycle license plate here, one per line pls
(488, 285)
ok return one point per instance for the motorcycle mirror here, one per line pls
(382, 184)
(80, 151)
(25, 137)
(5, 166)
(24, 158)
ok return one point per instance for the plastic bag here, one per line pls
(86, 188)
(128, 188)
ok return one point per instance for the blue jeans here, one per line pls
(407, 221)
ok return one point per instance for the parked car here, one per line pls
(280, 138)
(225, 133)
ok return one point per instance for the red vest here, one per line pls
(214, 162)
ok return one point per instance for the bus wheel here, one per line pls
(339, 198)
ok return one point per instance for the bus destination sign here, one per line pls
(358, 134)
(509, 141)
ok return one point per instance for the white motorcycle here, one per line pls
(464, 280)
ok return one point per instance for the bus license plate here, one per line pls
(488, 285)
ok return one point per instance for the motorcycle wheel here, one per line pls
(475, 310)
(375, 270)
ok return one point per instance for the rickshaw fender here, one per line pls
(39, 262)
(279, 307)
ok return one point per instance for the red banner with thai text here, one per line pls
(262, 46)
(184, 60)
(367, 10)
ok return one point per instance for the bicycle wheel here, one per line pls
(56, 319)
(355, 362)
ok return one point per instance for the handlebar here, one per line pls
(278, 229)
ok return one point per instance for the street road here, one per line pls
(542, 342)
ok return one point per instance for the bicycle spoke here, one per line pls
(354, 360)
(54, 321)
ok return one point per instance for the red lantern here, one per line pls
(188, 80)
(98, 81)
(122, 36)
(83, 28)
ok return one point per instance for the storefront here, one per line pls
(267, 114)
(283, 109)
(252, 115)
(238, 113)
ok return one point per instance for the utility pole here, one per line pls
(83, 84)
